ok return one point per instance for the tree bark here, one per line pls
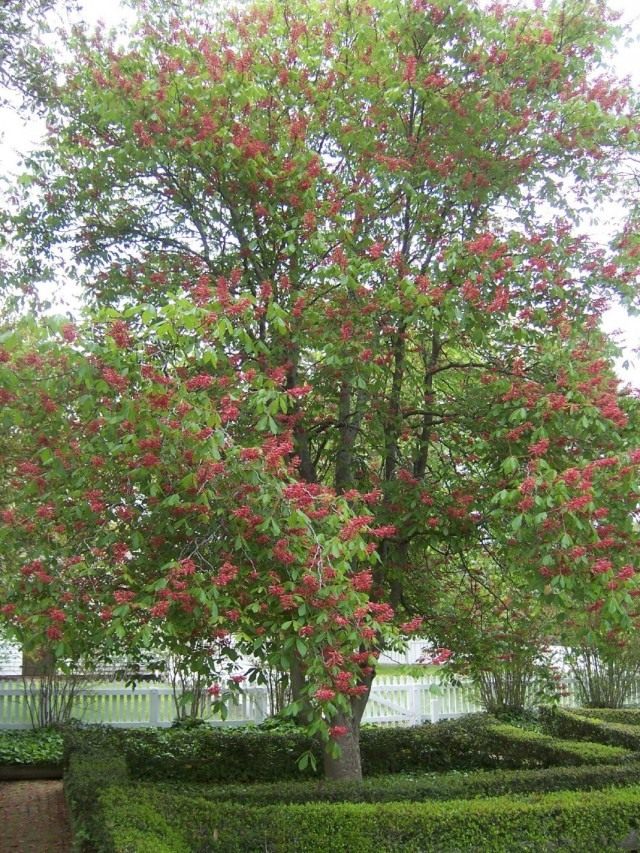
(347, 766)
(38, 663)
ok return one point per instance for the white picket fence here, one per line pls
(394, 700)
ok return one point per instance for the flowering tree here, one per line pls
(346, 231)
(147, 509)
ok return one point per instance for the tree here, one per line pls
(372, 206)
(606, 675)
(488, 628)
(26, 67)
(151, 506)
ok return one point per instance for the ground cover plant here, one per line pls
(37, 747)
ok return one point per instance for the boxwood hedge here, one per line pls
(153, 821)
(213, 755)
(629, 716)
(418, 788)
(573, 724)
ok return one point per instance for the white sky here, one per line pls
(19, 136)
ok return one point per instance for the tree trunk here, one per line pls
(40, 662)
(346, 766)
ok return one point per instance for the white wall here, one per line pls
(10, 658)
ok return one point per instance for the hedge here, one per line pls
(95, 738)
(151, 821)
(561, 723)
(86, 776)
(531, 748)
(426, 787)
(629, 716)
(214, 755)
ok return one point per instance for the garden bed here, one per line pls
(26, 772)
(31, 754)
(395, 811)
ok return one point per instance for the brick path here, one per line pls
(33, 818)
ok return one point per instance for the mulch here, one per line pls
(33, 818)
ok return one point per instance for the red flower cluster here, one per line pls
(199, 383)
(325, 694)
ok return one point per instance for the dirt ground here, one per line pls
(33, 818)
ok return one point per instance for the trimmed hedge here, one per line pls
(562, 723)
(95, 738)
(629, 716)
(427, 787)
(530, 748)
(145, 820)
(215, 755)
(86, 776)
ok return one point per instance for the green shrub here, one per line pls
(569, 821)
(460, 744)
(629, 716)
(42, 746)
(86, 775)
(206, 754)
(533, 749)
(422, 788)
(563, 723)
(209, 754)
(92, 738)
(130, 824)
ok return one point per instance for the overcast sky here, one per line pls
(18, 136)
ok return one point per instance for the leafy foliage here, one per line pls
(601, 819)
(339, 347)
(42, 746)
(423, 787)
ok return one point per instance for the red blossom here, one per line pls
(325, 694)
(69, 332)
(115, 379)
(354, 526)
(149, 460)
(539, 448)
(160, 609)
(601, 566)
(412, 626)
(382, 611)
(199, 383)
(119, 331)
(338, 731)
(363, 581)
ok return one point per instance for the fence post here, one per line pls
(434, 707)
(415, 709)
(258, 701)
(154, 707)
